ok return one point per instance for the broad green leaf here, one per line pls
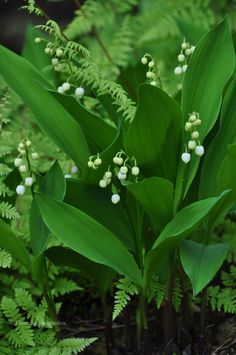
(201, 262)
(209, 69)
(53, 185)
(218, 149)
(10, 242)
(86, 236)
(101, 274)
(96, 202)
(155, 195)
(51, 117)
(99, 134)
(227, 175)
(154, 134)
(179, 228)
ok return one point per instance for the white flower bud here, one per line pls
(34, 156)
(181, 58)
(37, 40)
(192, 49)
(184, 68)
(28, 143)
(28, 181)
(17, 162)
(67, 176)
(154, 83)
(108, 181)
(108, 175)
(144, 60)
(188, 126)
(115, 198)
(188, 51)
(97, 161)
(199, 150)
(178, 71)
(151, 64)
(21, 145)
(103, 183)
(192, 118)
(197, 123)
(150, 75)
(135, 171)
(121, 176)
(195, 135)
(55, 61)
(192, 145)
(184, 45)
(58, 68)
(74, 169)
(79, 92)
(59, 52)
(20, 190)
(90, 164)
(60, 90)
(118, 160)
(186, 157)
(23, 168)
(48, 50)
(66, 86)
(124, 170)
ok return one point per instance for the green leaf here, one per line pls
(51, 117)
(101, 274)
(12, 244)
(179, 228)
(209, 69)
(53, 185)
(155, 195)
(218, 149)
(227, 175)
(158, 116)
(201, 262)
(87, 198)
(86, 236)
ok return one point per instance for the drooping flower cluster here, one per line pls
(193, 144)
(118, 170)
(183, 57)
(22, 163)
(152, 73)
(66, 87)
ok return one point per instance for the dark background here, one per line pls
(13, 21)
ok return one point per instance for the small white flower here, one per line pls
(192, 145)
(48, 50)
(184, 68)
(66, 86)
(79, 92)
(151, 64)
(34, 156)
(20, 190)
(60, 90)
(108, 175)
(195, 135)
(178, 71)
(150, 75)
(192, 118)
(188, 126)
(197, 123)
(28, 143)
(108, 181)
(67, 176)
(184, 45)
(23, 168)
(55, 61)
(121, 176)
(154, 83)
(186, 157)
(103, 183)
(74, 169)
(37, 40)
(115, 198)
(59, 52)
(17, 162)
(21, 145)
(90, 164)
(199, 150)
(144, 60)
(28, 181)
(124, 170)
(97, 161)
(188, 51)
(21, 151)
(58, 67)
(118, 160)
(135, 171)
(181, 58)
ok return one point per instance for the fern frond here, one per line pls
(123, 6)
(5, 259)
(4, 169)
(8, 211)
(62, 286)
(32, 8)
(74, 345)
(126, 288)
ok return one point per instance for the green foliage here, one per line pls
(8, 211)
(5, 259)
(126, 288)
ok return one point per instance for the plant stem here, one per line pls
(168, 311)
(203, 322)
